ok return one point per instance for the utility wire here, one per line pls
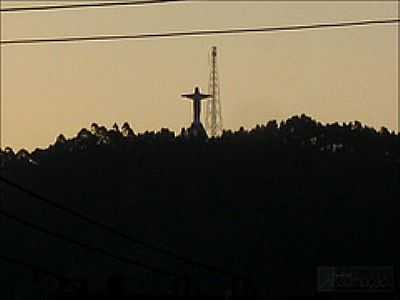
(86, 5)
(114, 231)
(83, 245)
(196, 33)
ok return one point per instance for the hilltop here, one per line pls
(273, 202)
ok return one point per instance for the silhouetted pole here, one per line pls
(398, 171)
(249, 288)
(83, 291)
(187, 286)
(1, 188)
(237, 287)
(2, 154)
(176, 286)
(116, 285)
(1, 162)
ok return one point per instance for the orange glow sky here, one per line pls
(337, 74)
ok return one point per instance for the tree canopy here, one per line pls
(280, 198)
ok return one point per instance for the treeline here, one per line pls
(272, 203)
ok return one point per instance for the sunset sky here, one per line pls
(335, 74)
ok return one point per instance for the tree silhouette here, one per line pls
(274, 202)
(126, 130)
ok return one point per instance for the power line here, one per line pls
(196, 33)
(83, 245)
(112, 230)
(86, 5)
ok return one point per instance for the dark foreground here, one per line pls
(266, 207)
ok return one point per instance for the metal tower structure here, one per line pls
(213, 120)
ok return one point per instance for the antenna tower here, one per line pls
(213, 106)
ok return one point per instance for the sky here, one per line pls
(335, 74)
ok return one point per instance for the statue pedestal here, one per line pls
(197, 131)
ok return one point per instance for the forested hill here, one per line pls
(301, 132)
(274, 202)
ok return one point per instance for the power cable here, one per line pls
(196, 33)
(86, 5)
(83, 245)
(112, 230)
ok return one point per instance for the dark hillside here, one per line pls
(272, 204)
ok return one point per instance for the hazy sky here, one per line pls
(336, 74)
